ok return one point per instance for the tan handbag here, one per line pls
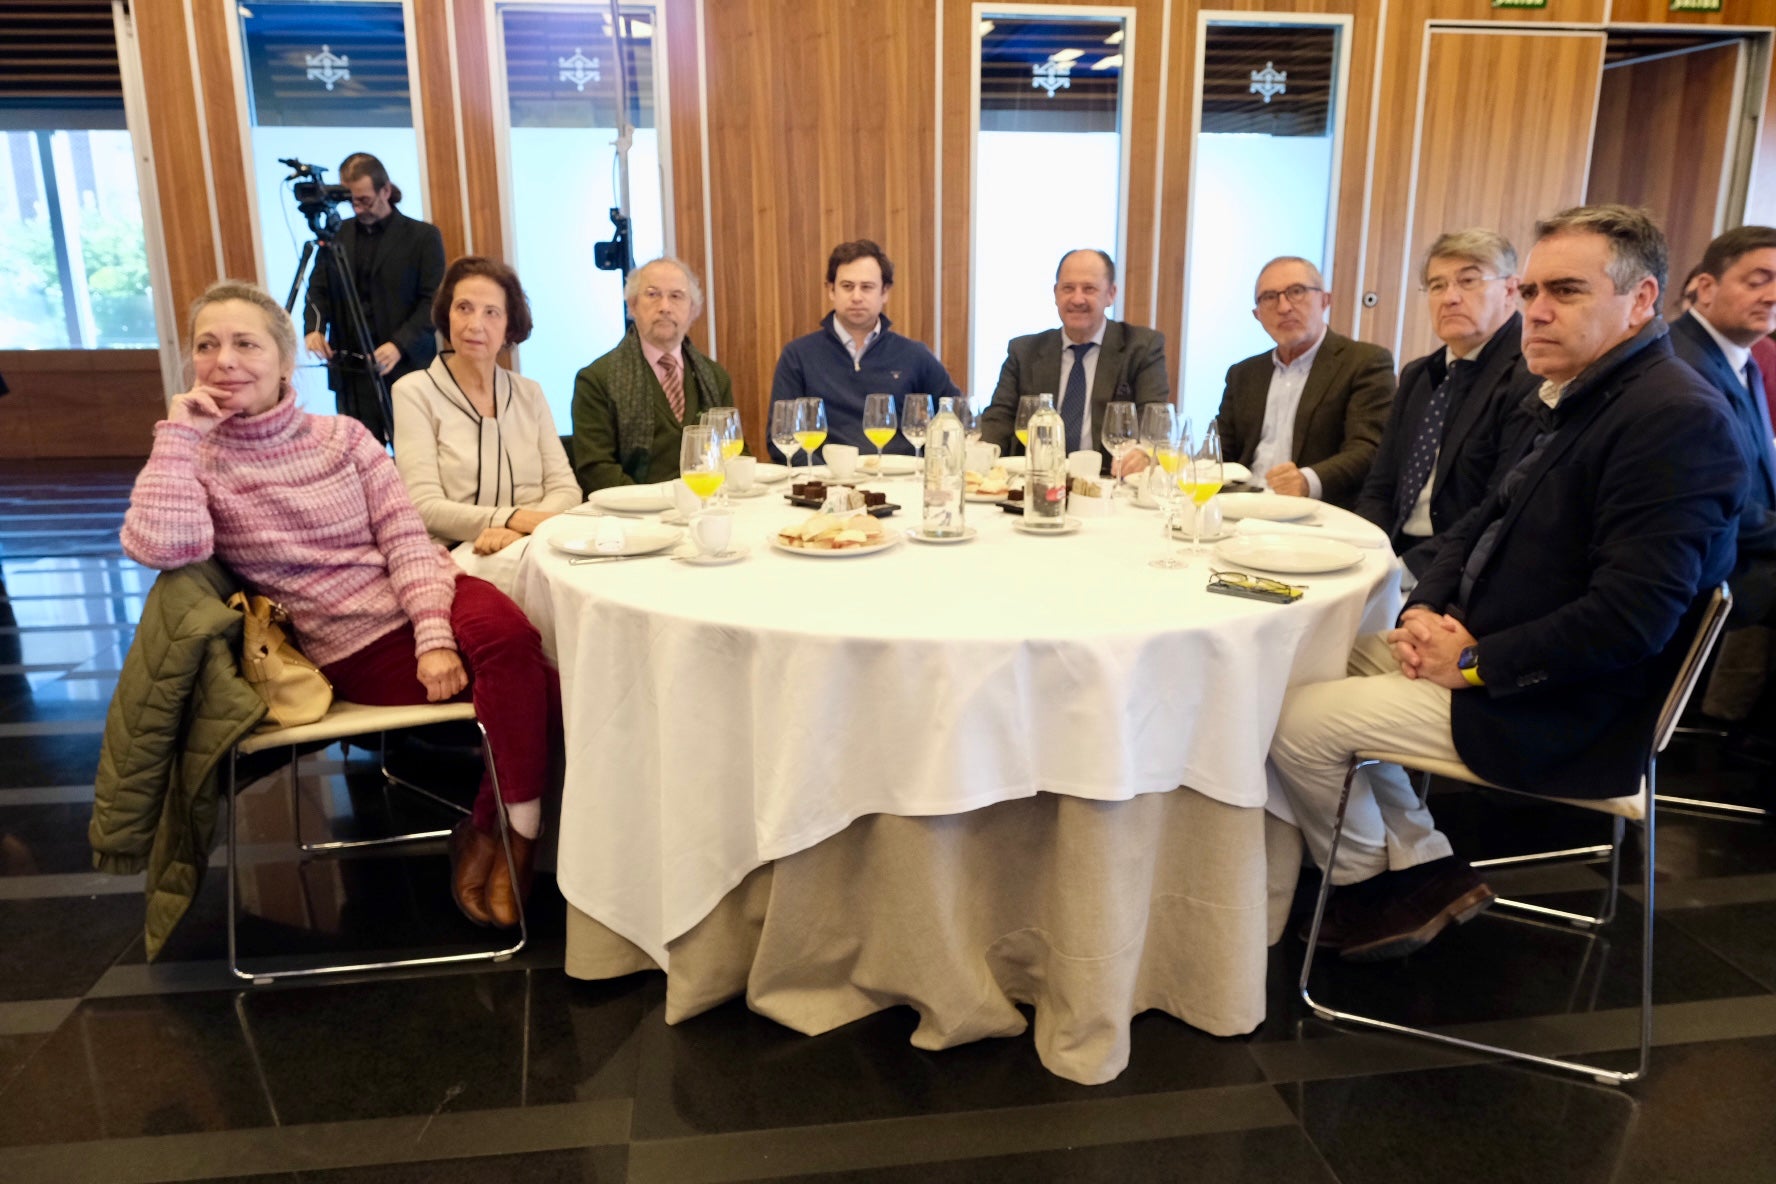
(293, 688)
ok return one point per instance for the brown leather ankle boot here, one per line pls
(504, 900)
(472, 856)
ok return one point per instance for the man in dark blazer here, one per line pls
(1443, 435)
(1734, 308)
(1086, 363)
(1305, 418)
(397, 263)
(1539, 643)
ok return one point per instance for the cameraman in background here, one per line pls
(397, 263)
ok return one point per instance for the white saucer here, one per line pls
(673, 518)
(1069, 525)
(1288, 554)
(919, 536)
(734, 554)
(755, 491)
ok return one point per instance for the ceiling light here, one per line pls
(1066, 55)
(986, 27)
(1113, 62)
(1114, 38)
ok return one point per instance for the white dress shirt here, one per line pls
(1091, 373)
(1277, 440)
(1738, 356)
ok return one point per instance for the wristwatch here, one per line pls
(1469, 665)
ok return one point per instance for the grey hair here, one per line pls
(632, 286)
(1637, 245)
(1312, 267)
(1488, 248)
(276, 319)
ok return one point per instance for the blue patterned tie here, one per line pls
(1421, 456)
(1073, 400)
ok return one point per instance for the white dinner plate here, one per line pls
(734, 554)
(989, 498)
(1287, 554)
(919, 536)
(1272, 507)
(634, 499)
(1234, 473)
(755, 491)
(639, 538)
(889, 538)
(893, 465)
(770, 474)
(1068, 526)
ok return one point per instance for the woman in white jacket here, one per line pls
(474, 442)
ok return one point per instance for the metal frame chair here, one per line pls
(1638, 807)
(345, 720)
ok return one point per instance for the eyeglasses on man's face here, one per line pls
(1294, 293)
(1471, 281)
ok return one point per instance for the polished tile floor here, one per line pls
(114, 1070)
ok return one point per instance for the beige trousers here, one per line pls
(1386, 825)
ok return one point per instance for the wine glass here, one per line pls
(1168, 455)
(879, 423)
(1027, 405)
(784, 413)
(726, 422)
(700, 462)
(915, 421)
(1199, 479)
(810, 425)
(1120, 429)
(1159, 422)
(971, 428)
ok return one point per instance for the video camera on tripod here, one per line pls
(318, 201)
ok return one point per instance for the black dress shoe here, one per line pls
(1400, 912)
(1334, 924)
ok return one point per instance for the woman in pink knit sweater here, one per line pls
(309, 510)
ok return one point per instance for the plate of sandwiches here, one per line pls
(835, 536)
(991, 486)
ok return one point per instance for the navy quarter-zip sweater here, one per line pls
(819, 366)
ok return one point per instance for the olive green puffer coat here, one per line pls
(180, 706)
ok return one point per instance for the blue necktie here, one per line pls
(1421, 455)
(1073, 400)
(1754, 379)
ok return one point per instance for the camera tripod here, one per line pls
(328, 258)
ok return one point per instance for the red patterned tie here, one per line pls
(673, 382)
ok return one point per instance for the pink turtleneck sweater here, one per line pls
(306, 509)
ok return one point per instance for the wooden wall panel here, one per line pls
(823, 134)
(223, 121)
(480, 143)
(684, 101)
(1675, 111)
(437, 99)
(80, 402)
(1502, 166)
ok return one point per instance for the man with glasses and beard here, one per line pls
(1305, 418)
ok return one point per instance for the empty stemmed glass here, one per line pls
(700, 463)
(1168, 454)
(1199, 479)
(810, 426)
(971, 428)
(1119, 433)
(879, 423)
(915, 421)
(784, 414)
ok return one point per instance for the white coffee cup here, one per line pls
(687, 502)
(712, 531)
(982, 456)
(1207, 517)
(1086, 463)
(841, 461)
(742, 473)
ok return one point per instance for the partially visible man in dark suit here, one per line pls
(1305, 418)
(1088, 362)
(1538, 645)
(1734, 309)
(397, 263)
(1443, 435)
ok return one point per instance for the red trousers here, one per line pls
(516, 692)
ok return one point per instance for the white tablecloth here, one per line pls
(720, 718)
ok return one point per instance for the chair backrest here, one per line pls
(1708, 631)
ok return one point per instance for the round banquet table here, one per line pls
(894, 723)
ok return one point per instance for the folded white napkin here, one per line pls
(1357, 536)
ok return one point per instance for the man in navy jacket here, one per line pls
(856, 352)
(1734, 307)
(1539, 641)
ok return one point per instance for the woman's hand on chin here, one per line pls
(441, 673)
(495, 538)
(200, 408)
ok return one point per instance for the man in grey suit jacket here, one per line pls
(1307, 417)
(1103, 360)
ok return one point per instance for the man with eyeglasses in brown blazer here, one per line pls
(1307, 417)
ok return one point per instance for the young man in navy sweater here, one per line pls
(855, 352)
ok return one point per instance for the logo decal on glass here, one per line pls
(327, 66)
(1269, 81)
(1051, 76)
(578, 69)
